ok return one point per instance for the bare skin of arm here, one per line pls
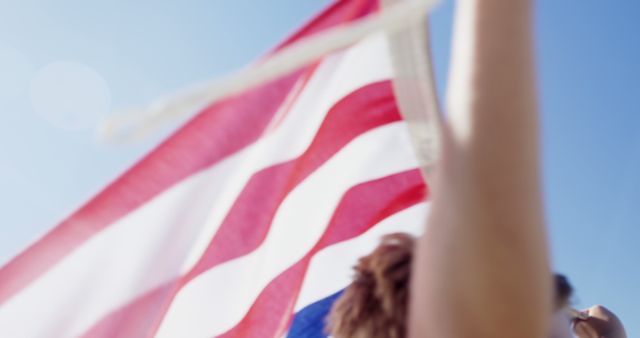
(481, 269)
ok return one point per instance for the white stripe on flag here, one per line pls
(197, 311)
(176, 226)
(335, 78)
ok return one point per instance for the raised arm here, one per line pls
(482, 268)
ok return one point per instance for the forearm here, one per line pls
(482, 263)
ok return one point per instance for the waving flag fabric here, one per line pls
(245, 222)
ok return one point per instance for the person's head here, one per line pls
(560, 327)
(375, 304)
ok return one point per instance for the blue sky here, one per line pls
(130, 52)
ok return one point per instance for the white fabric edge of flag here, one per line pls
(415, 88)
(136, 124)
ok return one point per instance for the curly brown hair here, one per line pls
(375, 304)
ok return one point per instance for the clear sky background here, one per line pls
(119, 53)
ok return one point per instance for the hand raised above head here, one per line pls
(601, 323)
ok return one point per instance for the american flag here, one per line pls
(245, 222)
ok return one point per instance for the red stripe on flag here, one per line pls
(339, 11)
(361, 207)
(248, 221)
(217, 132)
(214, 134)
